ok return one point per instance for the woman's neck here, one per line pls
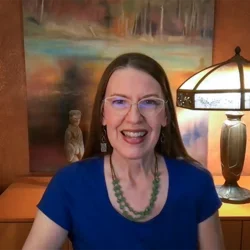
(132, 169)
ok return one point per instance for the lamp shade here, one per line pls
(223, 86)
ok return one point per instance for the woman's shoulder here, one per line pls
(191, 172)
(80, 169)
(194, 183)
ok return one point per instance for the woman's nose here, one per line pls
(134, 114)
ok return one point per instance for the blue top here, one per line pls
(77, 200)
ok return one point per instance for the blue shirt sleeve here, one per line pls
(208, 200)
(54, 203)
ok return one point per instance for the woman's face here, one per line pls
(133, 130)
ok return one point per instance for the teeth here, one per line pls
(134, 134)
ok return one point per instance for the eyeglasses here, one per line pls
(146, 106)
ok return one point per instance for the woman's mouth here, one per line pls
(134, 137)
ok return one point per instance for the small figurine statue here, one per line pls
(73, 139)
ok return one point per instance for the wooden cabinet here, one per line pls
(246, 235)
(232, 231)
(14, 234)
(18, 209)
(70, 246)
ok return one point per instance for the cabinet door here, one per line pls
(13, 236)
(246, 235)
(232, 234)
(70, 245)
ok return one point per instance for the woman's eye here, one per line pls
(149, 102)
(118, 102)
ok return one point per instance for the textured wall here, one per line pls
(13, 109)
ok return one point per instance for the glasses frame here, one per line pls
(105, 100)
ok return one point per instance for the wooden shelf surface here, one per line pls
(18, 202)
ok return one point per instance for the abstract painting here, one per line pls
(68, 44)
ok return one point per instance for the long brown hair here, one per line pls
(172, 146)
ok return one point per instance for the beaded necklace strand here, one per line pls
(127, 210)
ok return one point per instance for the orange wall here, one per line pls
(232, 18)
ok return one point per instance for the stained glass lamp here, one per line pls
(224, 86)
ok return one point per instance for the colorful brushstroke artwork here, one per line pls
(68, 44)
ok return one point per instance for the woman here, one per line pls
(136, 188)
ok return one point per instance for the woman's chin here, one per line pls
(133, 154)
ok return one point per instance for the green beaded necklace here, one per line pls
(127, 210)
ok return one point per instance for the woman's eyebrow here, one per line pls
(117, 94)
(145, 96)
(151, 95)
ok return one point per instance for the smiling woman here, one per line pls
(137, 188)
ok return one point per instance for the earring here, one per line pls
(162, 138)
(103, 142)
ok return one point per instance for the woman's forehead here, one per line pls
(130, 80)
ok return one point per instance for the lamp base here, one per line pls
(233, 194)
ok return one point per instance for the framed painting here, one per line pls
(68, 44)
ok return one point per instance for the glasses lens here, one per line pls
(118, 104)
(150, 106)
